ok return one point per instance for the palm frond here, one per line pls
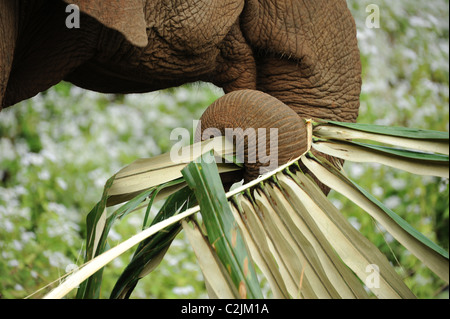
(280, 224)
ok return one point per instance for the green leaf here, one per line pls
(93, 284)
(352, 247)
(410, 161)
(94, 265)
(423, 248)
(95, 223)
(256, 239)
(422, 140)
(150, 252)
(149, 172)
(293, 211)
(296, 252)
(406, 153)
(217, 279)
(393, 130)
(223, 232)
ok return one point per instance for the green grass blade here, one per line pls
(223, 232)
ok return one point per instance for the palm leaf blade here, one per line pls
(342, 278)
(422, 140)
(223, 232)
(428, 252)
(259, 250)
(390, 130)
(212, 268)
(311, 269)
(413, 162)
(150, 252)
(356, 251)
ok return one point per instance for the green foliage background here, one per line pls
(58, 149)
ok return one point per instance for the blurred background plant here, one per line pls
(58, 149)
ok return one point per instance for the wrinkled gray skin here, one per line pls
(304, 53)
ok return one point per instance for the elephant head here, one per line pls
(302, 54)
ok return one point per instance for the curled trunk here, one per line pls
(267, 133)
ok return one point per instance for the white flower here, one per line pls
(183, 290)
(392, 202)
(57, 259)
(114, 236)
(18, 287)
(61, 183)
(356, 170)
(7, 225)
(17, 245)
(6, 149)
(355, 223)
(44, 175)
(398, 184)
(13, 263)
(337, 203)
(377, 191)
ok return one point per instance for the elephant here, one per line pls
(278, 62)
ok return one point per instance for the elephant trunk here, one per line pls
(266, 132)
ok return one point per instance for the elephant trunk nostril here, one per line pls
(266, 132)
